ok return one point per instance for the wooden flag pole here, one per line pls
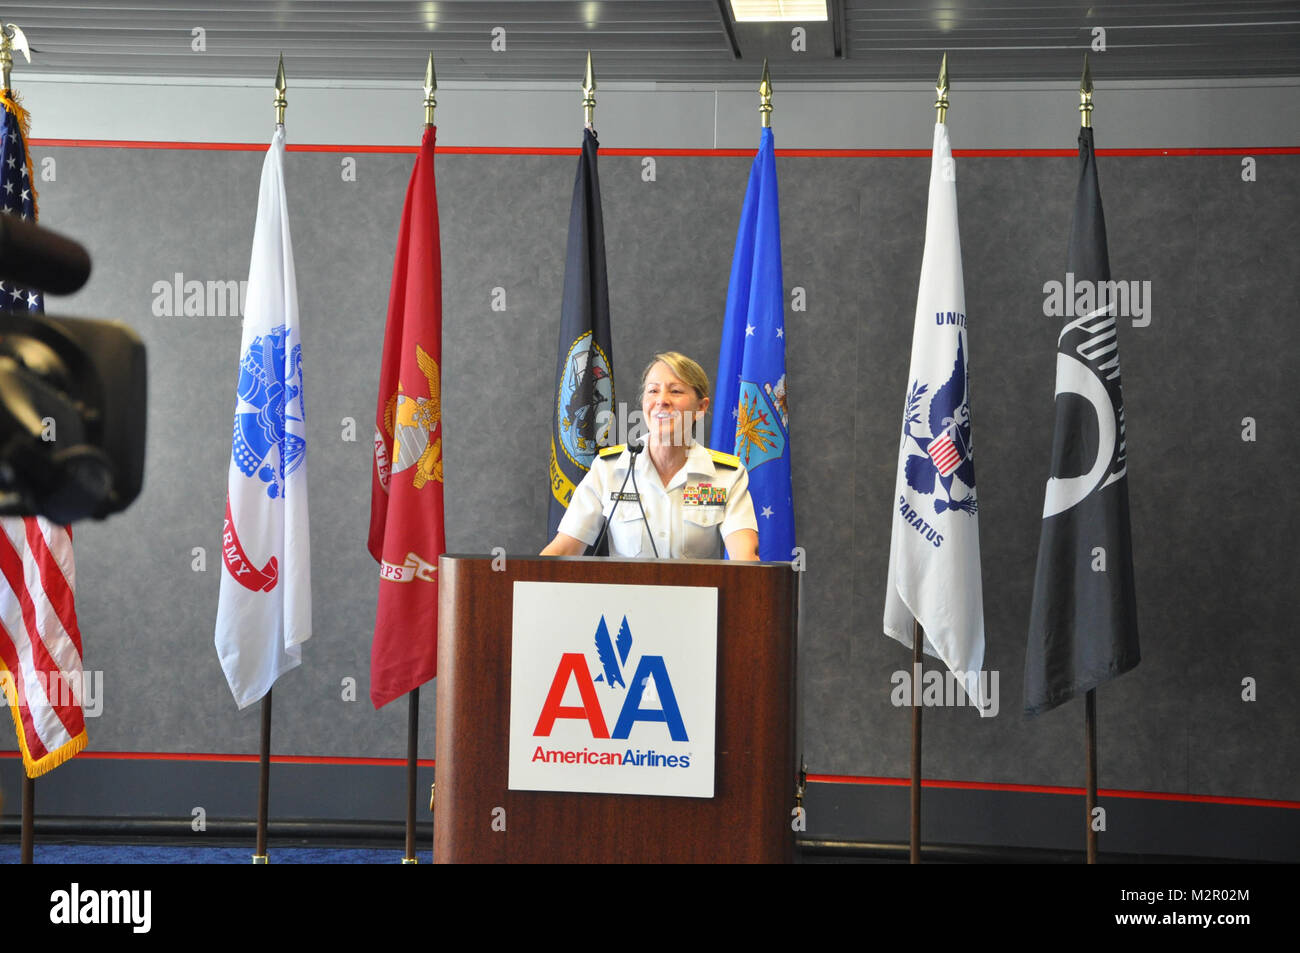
(413, 696)
(918, 635)
(12, 38)
(263, 780)
(29, 817)
(264, 753)
(1090, 699)
(1090, 799)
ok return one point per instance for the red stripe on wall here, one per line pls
(214, 757)
(715, 153)
(818, 778)
(1053, 789)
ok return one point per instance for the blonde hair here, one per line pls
(685, 370)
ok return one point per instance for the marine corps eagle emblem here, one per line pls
(412, 421)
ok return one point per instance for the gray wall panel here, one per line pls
(1210, 514)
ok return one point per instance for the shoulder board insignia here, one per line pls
(725, 459)
(615, 451)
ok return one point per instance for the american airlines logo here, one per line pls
(613, 688)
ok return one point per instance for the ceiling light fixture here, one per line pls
(755, 11)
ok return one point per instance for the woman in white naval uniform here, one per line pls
(696, 500)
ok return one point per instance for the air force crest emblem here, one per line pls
(945, 463)
(762, 418)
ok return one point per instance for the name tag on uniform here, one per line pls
(624, 497)
(704, 494)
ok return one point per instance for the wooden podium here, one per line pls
(749, 818)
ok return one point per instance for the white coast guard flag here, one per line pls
(264, 614)
(934, 549)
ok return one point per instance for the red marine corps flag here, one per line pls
(406, 529)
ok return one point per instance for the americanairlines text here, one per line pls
(637, 758)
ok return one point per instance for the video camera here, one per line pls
(72, 391)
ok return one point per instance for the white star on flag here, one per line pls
(749, 330)
(767, 512)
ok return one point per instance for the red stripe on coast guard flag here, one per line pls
(41, 647)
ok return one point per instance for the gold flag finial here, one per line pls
(941, 92)
(430, 87)
(12, 38)
(1085, 95)
(589, 94)
(280, 90)
(765, 97)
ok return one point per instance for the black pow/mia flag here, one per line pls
(1083, 622)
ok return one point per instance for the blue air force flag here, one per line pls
(751, 417)
(934, 548)
(264, 613)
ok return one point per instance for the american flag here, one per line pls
(41, 645)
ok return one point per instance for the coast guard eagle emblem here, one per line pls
(411, 422)
(270, 411)
(586, 399)
(946, 460)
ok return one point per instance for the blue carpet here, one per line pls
(135, 854)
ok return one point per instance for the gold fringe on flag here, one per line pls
(13, 103)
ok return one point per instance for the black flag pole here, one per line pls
(918, 635)
(1090, 798)
(263, 780)
(412, 738)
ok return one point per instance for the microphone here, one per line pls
(632, 449)
(36, 257)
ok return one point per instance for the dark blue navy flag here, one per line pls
(584, 371)
(1083, 621)
(751, 417)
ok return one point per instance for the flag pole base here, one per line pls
(410, 860)
(261, 859)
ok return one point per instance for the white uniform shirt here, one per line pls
(703, 504)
